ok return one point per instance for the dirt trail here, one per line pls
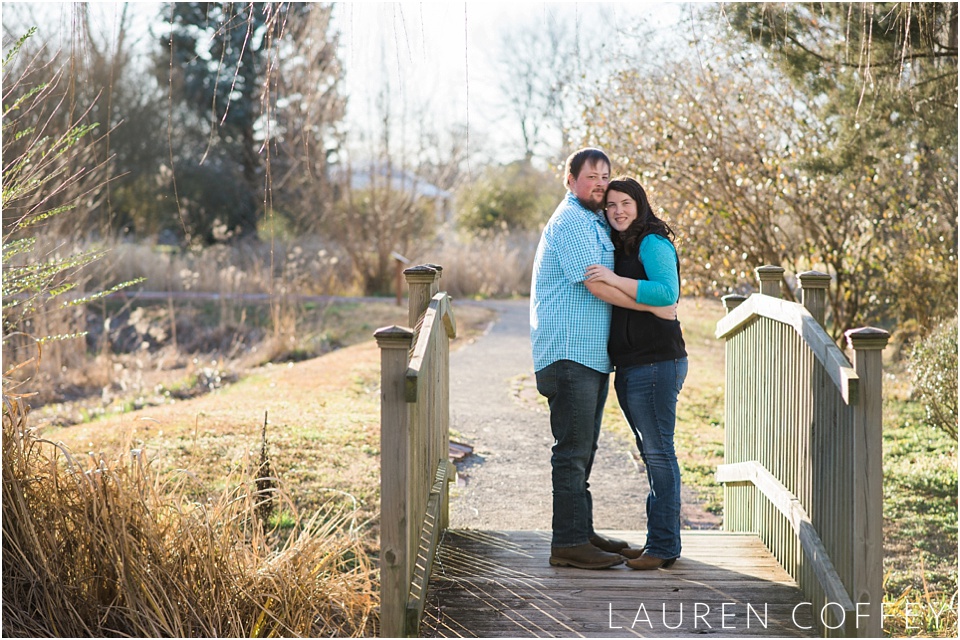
(506, 484)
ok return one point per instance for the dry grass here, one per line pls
(925, 612)
(323, 415)
(154, 532)
(213, 346)
(497, 266)
(97, 547)
(128, 335)
(308, 266)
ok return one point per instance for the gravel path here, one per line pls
(494, 407)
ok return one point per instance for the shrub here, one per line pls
(933, 363)
(46, 174)
(512, 197)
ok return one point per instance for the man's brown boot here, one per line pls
(583, 556)
(631, 552)
(610, 545)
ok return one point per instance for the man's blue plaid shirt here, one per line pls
(566, 321)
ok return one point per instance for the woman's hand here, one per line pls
(600, 273)
(597, 273)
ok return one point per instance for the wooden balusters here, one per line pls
(810, 422)
(414, 411)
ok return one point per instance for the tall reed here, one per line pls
(98, 548)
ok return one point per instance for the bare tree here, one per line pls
(538, 66)
(305, 106)
(385, 204)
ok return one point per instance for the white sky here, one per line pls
(441, 55)
(436, 56)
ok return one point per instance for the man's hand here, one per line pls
(664, 313)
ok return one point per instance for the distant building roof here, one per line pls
(400, 180)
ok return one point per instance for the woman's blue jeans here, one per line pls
(648, 398)
(576, 395)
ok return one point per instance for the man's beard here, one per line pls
(593, 205)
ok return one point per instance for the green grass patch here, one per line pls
(920, 515)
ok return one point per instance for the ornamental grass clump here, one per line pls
(111, 548)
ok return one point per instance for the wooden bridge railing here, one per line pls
(414, 440)
(802, 452)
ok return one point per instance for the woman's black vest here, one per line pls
(639, 337)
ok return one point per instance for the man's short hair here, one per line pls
(579, 158)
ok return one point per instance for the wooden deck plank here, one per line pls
(500, 584)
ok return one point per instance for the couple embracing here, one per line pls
(606, 281)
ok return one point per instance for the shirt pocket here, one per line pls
(606, 245)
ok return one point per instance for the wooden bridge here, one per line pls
(800, 553)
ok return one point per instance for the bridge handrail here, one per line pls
(789, 505)
(439, 310)
(841, 372)
(803, 447)
(414, 441)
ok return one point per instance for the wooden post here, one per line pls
(435, 287)
(395, 567)
(421, 280)
(866, 526)
(398, 284)
(732, 301)
(813, 288)
(770, 278)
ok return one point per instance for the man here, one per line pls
(569, 327)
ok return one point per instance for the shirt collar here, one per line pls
(573, 199)
(596, 215)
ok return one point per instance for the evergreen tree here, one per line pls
(883, 73)
(221, 61)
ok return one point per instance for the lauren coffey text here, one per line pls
(738, 615)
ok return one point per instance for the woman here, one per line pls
(649, 356)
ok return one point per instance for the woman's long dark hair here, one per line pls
(646, 223)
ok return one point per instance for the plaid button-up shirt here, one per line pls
(566, 321)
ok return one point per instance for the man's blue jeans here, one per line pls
(576, 395)
(648, 397)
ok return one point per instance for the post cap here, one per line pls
(867, 338)
(394, 337)
(420, 274)
(769, 272)
(732, 300)
(814, 280)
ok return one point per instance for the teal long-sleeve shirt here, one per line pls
(659, 258)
